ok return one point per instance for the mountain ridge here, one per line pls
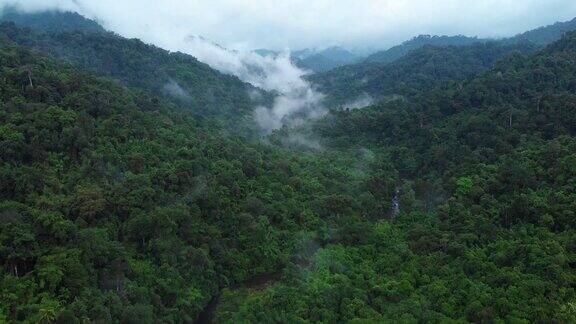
(204, 89)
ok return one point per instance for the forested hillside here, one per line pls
(418, 71)
(175, 76)
(116, 206)
(51, 21)
(425, 62)
(486, 231)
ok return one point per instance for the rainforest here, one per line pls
(430, 182)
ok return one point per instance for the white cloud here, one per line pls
(173, 89)
(362, 101)
(296, 100)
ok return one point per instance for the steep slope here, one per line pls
(176, 76)
(117, 207)
(419, 71)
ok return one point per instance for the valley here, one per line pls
(430, 182)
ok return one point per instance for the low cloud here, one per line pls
(297, 139)
(363, 101)
(173, 89)
(296, 101)
(290, 109)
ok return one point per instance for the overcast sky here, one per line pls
(295, 24)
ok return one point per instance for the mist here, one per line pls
(296, 101)
(363, 101)
(173, 89)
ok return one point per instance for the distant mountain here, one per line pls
(418, 71)
(318, 60)
(266, 52)
(396, 52)
(327, 59)
(51, 21)
(541, 36)
(546, 35)
(426, 61)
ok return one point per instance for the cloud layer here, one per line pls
(278, 24)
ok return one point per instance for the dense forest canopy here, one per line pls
(116, 205)
(487, 190)
(120, 203)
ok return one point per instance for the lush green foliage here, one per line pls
(116, 206)
(119, 205)
(487, 230)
